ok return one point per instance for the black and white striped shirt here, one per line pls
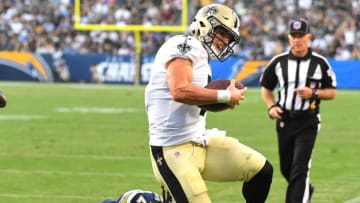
(289, 72)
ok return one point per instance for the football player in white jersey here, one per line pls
(183, 152)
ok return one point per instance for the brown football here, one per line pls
(219, 85)
(2, 100)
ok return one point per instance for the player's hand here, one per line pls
(236, 94)
(304, 92)
(275, 112)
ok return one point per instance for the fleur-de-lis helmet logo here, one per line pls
(210, 11)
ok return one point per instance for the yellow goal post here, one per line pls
(137, 29)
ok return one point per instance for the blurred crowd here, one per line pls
(47, 26)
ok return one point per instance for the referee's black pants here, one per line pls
(296, 139)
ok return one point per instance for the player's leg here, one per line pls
(257, 188)
(178, 169)
(229, 160)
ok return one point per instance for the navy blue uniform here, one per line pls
(137, 196)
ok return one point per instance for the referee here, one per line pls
(303, 78)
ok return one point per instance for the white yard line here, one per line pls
(82, 109)
(73, 173)
(20, 117)
(43, 196)
(354, 200)
(79, 156)
(76, 109)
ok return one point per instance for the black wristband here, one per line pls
(314, 94)
(272, 106)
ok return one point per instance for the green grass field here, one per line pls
(78, 143)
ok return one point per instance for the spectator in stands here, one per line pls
(355, 54)
(25, 25)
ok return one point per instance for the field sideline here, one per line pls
(81, 143)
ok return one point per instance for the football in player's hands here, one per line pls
(219, 85)
(2, 100)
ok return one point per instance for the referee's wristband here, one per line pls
(314, 94)
(223, 96)
(272, 106)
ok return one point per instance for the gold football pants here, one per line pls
(183, 168)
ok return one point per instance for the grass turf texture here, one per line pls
(82, 143)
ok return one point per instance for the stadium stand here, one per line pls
(46, 26)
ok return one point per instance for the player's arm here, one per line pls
(180, 76)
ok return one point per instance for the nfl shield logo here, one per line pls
(312, 85)
(297, 25)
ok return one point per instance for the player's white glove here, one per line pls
(203, 140)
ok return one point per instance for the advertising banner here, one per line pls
(101, 68)
(24, 66)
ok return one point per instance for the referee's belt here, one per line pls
(298, 114)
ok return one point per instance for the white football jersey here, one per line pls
(171, 122)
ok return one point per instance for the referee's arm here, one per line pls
(327, 93)
(274, 111)
(268, 97)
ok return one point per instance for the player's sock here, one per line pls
(257, 189)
